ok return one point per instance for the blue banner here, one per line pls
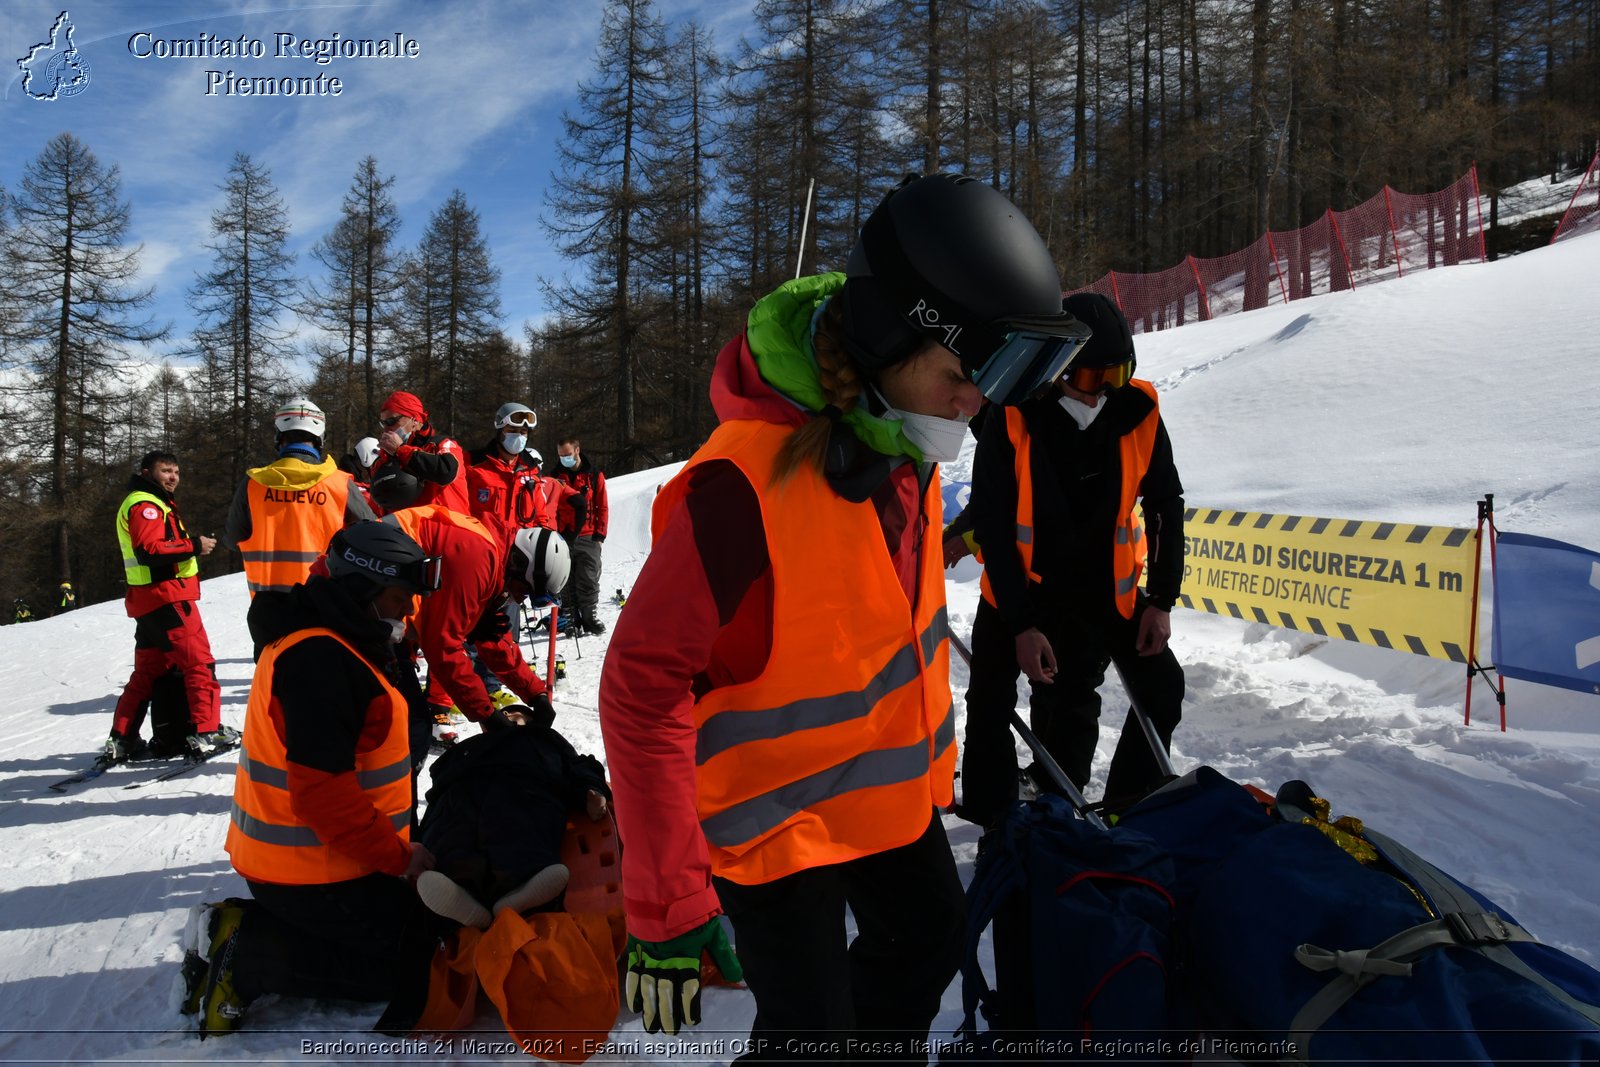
(1547, 612)
(956, 495)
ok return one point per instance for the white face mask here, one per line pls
(569, 462)
(939, 439)
(397, 629)
(1082, 413)
(514, 443)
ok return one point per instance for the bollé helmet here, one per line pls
(541, 558)
(947, 258)
(368, 555)
(299, 413)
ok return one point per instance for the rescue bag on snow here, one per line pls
(1082, 920)
(1297, 942)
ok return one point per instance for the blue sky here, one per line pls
(478, 109)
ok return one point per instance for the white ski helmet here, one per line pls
(299, 413)
(541, 558)
(367, 451)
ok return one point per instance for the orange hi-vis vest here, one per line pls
(411, 521)
(1129, 548)
(844, 744)
(290, 528)
(267, 841)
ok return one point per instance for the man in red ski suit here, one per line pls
(163, 576)
(410, 443)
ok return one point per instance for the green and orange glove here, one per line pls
(663, 982)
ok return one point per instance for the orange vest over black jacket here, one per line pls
(267, 841)
(844, 744)
(289, 529)
(1129, 550)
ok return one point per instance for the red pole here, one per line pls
(1472, 627)
(1200, 289)
(1494, 575)
(550, 670)
(1394, 233)
(1344, 253)
(1116, 294)
(1272, 251)
(1483, 257)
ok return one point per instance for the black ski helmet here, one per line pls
(947, 258)
(1112, 341)
(369, 555)
(394, 489)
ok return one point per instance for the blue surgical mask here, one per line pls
(514, 443)
(569, 462)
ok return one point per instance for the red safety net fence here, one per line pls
(1386, 237)
(1583, 212)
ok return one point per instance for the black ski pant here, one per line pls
(1065, 714)
(584, 592)
(368, 939)
(821, 997)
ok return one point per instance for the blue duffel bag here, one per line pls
(1311, 956)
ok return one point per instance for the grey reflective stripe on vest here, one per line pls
(269, 833)
(380, 776)
(729, 729)
(750, 819)
(277, 556)
(263, 773)
(945, 735)
(1024, 534)
(1123, 536)
(278, 777)
(1126, 585)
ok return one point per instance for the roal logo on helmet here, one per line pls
(929, 317)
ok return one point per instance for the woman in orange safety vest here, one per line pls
(775, 701)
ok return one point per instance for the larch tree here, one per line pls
(72, 274)
(242, 301)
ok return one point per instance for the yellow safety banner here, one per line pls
(1380, 583)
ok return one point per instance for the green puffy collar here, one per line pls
(779, 334)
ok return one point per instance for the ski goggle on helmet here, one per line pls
(515, 414)
(948, 258)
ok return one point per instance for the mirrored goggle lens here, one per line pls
(1026, 363)
(1096, 379)
(520, 418)
(432, 574)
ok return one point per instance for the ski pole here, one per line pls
(1058, 777)
(1157, 748)
(550, 675)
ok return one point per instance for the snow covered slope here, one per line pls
(1404, 402)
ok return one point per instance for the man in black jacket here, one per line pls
(1053, 490)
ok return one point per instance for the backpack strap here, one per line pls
(996, 878)
(1462, 923)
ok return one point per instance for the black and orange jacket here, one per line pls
(323, 790)
(1077, 504)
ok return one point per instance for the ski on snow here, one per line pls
(189, 763)
(100, 766)
(94, 770)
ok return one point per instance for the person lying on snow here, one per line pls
(496, 814)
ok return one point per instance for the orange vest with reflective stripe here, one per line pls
(1129, 548)
(411, 520)
(844, 744)
(267, 841)
(289, 529)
